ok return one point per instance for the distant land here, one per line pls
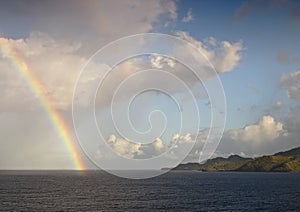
(287, 161)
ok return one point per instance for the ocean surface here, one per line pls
(174, 191)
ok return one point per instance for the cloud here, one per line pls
(211, 41)
(124, 147)
(54, 63)
(266, 130)
(248, 8)
(296, 13)
(243, 11)
(224, 55)
(188, 17)
(128, 149)
(268, 136)
(55, 53)
(278, 105)
(196, 151)
(93, 22)
(228, 56)
(28, 141)
(158, 61)
(291, 83)
(283, 57)
(57, 63)
(183, 138)
(265, 137)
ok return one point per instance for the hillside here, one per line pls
(272, 164)
(224, 164)
(287, 161)
(292, 152)
(216, 164)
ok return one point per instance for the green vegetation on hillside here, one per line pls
(292, 152)
(272, 163)
(288, 161)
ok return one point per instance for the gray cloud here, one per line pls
(55, 39)
(243, 11)
(248, 8)
(290, 82)
(94, 23)
(283, 57)
(29, 141)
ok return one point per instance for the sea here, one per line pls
(174, 191)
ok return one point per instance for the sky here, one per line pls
(50, 63)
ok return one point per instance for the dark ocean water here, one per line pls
(175, 191)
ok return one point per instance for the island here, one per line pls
(286, 161)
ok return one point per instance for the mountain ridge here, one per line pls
(284, 161)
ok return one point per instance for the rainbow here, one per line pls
(59, 125)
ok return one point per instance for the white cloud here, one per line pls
(188, 17)
(158, 61)
(129, 149)
(228, 56)
(267, 136)
(224, 55)
(178, 139)
(175, 137)
(266, 130)
(185, 138)
(159, 146)
(124, 147)
(199, 142)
